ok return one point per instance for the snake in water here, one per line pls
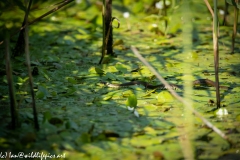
(205, 82)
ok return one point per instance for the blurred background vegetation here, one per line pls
(88, 12)
(75, 32)
(12, 11)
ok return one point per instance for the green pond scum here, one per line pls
(82, 118)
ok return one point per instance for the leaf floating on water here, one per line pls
(165, 96)
(54, 94)
(56, 121)
(111, 76)
(118, 42)
(112, 69)
(71, 125)
(192, 55)
(107, 97)
(40, 95)
(127, 93)
(189, 78)
(83, 139)
(99, 70)
(169, 65)
(72, 80)
(47, 116)
(121, 68)
(70, 91)
(42, 92)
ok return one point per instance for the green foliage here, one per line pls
(99, 70)
(72, 80)
(120, 67)
(42, 92)
(131, 101)
(110, 76)
(65, 47)
(164, 97)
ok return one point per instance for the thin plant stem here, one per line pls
(19, 48)
(165, 15)
(209, 7)
(234, 28)
(107, 38)
(225, 13)
(36, 124)
(108, 27)
(215, 47)
(179, 98)
(14, 111)
(216, 52)
(42, 16)
(103, 31)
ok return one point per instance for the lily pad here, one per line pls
(165, 96)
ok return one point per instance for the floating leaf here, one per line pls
(121, 68)
(112, 69)
(150, 130)
(192, 55)
(45, 74)
(84, 138)
(72, 80)
(71, 125)
(57, 65)
(188, 77)
(99, 70)
(107, 97)
(47, 116)
(40, 95)
(56, 121)
(107, 59)
(42, 92)
(110, 76)
(127, 93)
(118, 42)
(169, 65)
(165, 96)
(71, 91)
(54, 93)
(21, 81)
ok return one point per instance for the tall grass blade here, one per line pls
(14, 111)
